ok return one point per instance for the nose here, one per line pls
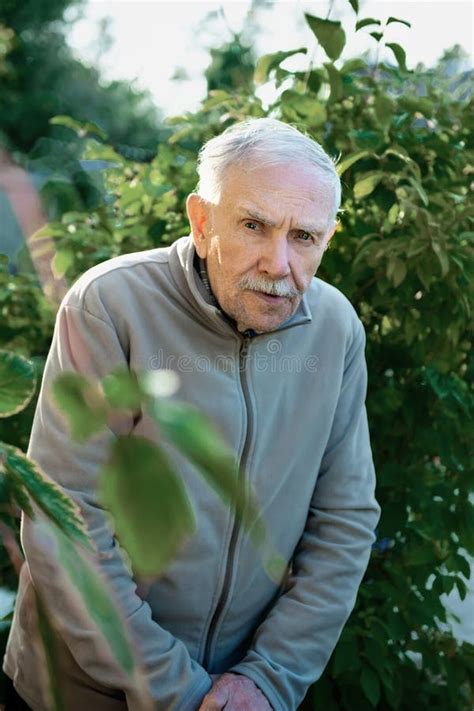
(275, 258)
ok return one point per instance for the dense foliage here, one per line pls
(40, 77)
(403, 255)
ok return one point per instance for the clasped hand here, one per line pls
(234, 692)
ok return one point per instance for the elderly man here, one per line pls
(285, 383)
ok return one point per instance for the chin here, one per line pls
(266, 326)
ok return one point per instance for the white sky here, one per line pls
(154, 37)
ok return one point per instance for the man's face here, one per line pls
(264, 239)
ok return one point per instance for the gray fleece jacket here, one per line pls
(290, 404)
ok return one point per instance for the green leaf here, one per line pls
(148, 501)
(312, 80)
(96, 597)
(122, 390)
(376, 35)
(463, 565)
(367, 184)
(396, 270)
(50, 229)
(462, 588)
(81, 128)
(367, 138)
(442, 257)
(400, 152)
(154, 189)
(365, 22)
(217, 97)
(399, 273)
(335, 81)
(420, 555)
(132, 195)
(308, 107)
(12, 488)
(424, 275)
(419, 189)
(397, 626)
(417, 104)
(329, 34)
(399, 53)
(17, 383)
(350, 160)
(83, 404)
(270, 61)
(46, 494)
(393, 213)
(48, 639)
(195, 436)
(346, 655)
(62, 260)
(370, 683)
(395, 19)
(384, 109)
(355, 5)
(353, 65)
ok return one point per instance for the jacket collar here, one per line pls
(200, 267)
(200, 299)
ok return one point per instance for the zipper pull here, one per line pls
(249, 333)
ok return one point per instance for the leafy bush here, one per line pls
(41, 77)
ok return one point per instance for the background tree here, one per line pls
(41, 78)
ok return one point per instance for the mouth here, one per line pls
(270, 298)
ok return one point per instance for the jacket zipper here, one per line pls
(236, 528)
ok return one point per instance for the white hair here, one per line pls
(266, 142)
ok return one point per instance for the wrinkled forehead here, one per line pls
(281, 191)
(253, 175)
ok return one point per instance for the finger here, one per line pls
(210, 704)
(214, 700)
(219, 695)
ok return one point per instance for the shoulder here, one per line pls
(335, 321)
(115, 273)
(112, 285)
(330, 308)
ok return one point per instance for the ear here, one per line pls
(197, 216)
(330, 233)
(333, 229)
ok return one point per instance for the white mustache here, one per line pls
(268, 286)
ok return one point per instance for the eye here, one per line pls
(305, 237)
(251, 225)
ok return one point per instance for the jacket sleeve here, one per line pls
(293, 644)
(88, 344)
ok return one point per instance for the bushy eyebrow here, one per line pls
(255, 215)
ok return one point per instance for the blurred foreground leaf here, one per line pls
(96, 598)
(151, 510)
(82, 402)
(48, 496)
(17, 383)
(47, 634)
(195, 436)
